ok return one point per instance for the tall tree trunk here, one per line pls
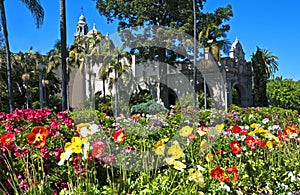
(8, 61)
(103, 87)
(63, 35)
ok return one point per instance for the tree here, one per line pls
(84, 54)
(284, 93)
(37, 11)
(116, 63)
(271, 62)
(175, 14)
(63, 36)
(264, 63)
(213, 31)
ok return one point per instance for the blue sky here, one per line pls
(269, 24)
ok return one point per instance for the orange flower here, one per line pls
(291, 129)
(7, 138)
(235, 147)
(38, 136)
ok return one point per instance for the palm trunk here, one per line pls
(103, 87)
(63, 35)
(8, 61)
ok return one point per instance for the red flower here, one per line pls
(38, 136)
(217, 173)
(244, 131)
(250, 141)
(236, 129)
(119, 136)
(235, 147)
(283, 136)
(261, 143)
(7, 138)
(233, 170)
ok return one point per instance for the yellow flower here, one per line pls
(74, 145)
(253, 126)
(271, 136)
(203, 146)
(209, 157)
(179, 165)
(269, 144)
(220, 127)
(159, 148)
(164, 140)
(175, 151)
(186, 131)
(197, 177)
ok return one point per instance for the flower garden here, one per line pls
(242, 151)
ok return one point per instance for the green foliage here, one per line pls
(284, 93)
(103, 104)
(260, 79)
(149, 107)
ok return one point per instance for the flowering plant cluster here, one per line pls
(254, 150)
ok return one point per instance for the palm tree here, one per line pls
(271, 63)
(84, 54)
(37, 11)
(63, 37)
(115, 63)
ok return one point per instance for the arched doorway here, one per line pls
(239, 95)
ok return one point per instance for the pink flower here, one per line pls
(57, 152)
(45, 152)
(99, 147)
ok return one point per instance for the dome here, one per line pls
(81, 19)
(94, 32)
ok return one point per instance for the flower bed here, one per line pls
(243, 151)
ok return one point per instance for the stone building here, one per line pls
(233, 75)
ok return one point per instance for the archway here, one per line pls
(239, 95)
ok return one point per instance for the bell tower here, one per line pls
(81, 27)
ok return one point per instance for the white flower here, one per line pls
(87, 131)
(65, 156)
(265, 120)
(292, 176)
(225, 187)
(250, 116)
(200, 168)
(86, 147)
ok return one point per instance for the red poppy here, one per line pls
(38, 136)
(261, 143)
(204, 128)
(291, 129)
(236, 129)
(250, 141)
(283, 136)
(7, 138)
(244, 131)
(119, 136)
(217, 173)
(235, 147)
(233, 170)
